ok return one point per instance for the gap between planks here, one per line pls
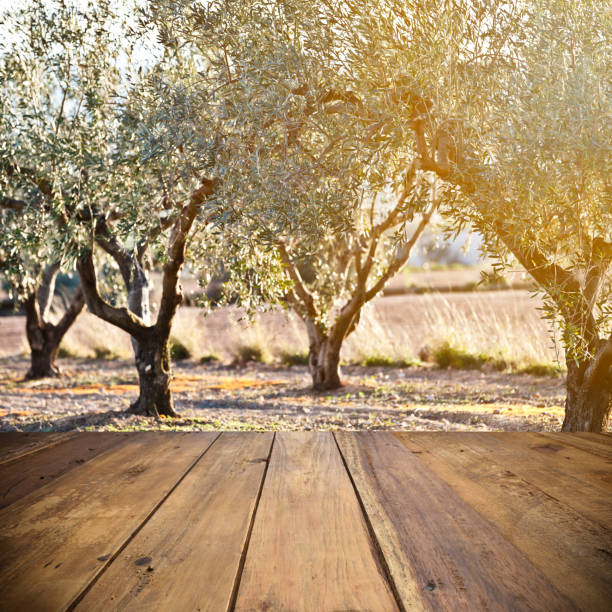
(310, 547)
(243, 554)
(195, 541)
(73, 519)
(375, 542)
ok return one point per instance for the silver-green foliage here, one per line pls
(306, 185)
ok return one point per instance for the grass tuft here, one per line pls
(289, 358)
(245, 353)
(178, 351)
(67, 353)
(386, 361)
(104, 352)
(447, 356)
(540, 369)
(210, 358)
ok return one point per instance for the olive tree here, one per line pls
(545, 197)
(84, 140)
(515, 114)
(30, 270)
(508, 104)
(312, 213)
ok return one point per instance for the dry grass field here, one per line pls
(496, 323)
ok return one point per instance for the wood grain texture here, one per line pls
(310, 547)
(38, 469)
(187, 555)
(589, 442)
(576, 478)
(441, 553)
(16, 445)
(570, 550)
(55, 540)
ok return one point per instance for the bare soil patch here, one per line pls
(93, 395)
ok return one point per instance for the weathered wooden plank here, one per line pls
(310, 548)
(15, 445)
(38, 469)
(57, 539)
(441, 553)
(571, 551)
(583, 440)
(187, 555)
(598, 437)
(576, 478)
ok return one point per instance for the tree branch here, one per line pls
(120, 317)
(557, 282)
(599, 371)
(379, 229)
(12, 204)
(171, 293)
(406, 250)
(601, 257)
(72, 312)
(44, 295)
(299, 288)
(12, 169)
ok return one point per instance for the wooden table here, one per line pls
(306, 521)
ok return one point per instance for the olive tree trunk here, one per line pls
(154, 377)
(43, 336)
(44, 346)
(324, 365)
(589, 392)
(151, 342)
(323, 358)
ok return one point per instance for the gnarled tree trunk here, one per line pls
(323, 359)
(44, 337)
(154, 377)
(151, 342)
(44, 346)
(589, 392)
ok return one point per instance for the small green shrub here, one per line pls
(178, 351)
(66, 353)
(103, 352)
(448, 356)
(385, 361)
(293, 359)
(246, 353)
(499, 364)
(212, 358)
(541, 369)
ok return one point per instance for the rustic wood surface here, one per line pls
(54, 541)
(310, 547)
(306, 521)
(194, 565)
(48, 462)
(572, 551)
(422, 524)
(14, 445)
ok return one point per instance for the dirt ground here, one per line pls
(93, 395)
